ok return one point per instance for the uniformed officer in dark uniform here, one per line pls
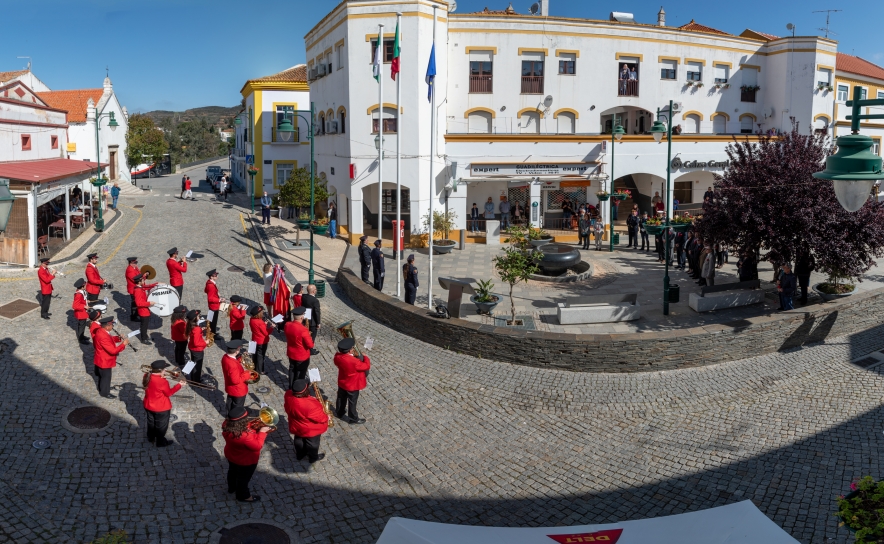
(411, 283)
(377, 265)
(364, 257)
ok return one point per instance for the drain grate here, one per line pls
(17, 308)
(138, 206)
(89, 417)
(867, 362)
(41, 444)
(254, 533)
(263, 389)
(236, 269)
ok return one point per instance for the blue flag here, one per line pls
(431, 73)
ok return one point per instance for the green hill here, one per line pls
(218, 116)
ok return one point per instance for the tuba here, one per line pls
(148, 272)
(346, 331)
(267, 417)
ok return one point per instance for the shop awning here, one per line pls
(45, 170)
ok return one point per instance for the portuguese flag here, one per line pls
(394, 69)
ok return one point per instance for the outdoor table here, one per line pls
(56, 225)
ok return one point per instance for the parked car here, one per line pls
(215, 180)
(212, 171)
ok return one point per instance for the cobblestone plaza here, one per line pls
(449, 438)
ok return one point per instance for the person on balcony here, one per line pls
(624, 76)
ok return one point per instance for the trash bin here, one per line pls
(674, 292)
(320, 288)
(616, 238)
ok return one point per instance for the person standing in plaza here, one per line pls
(188, 193)
(107, 348)
(183, 186)
(297, 295)
(378, 269)
(474, 218)
(237, 318)
(94, 281)
(364, 258)
(489, 209)
(176, 268)
(787, 287)
(143, 305)
(332, 220)
(707, 265)
(567, 212)
(658, 246)
(261, 332)
(132, 270)
(632, 226)
(504, 208)
(310, 302)
(179, 334)
(678, 257)
(411, 282)
(584, 227)
(708, 195)
(214, 300)
(157, 403)
(45, 276)
(196, 343)
(804, 266)
(115, 195)
(266, 201)
(94, 324)
(643, 233)
(307, 421)
(351, 380)
(235, 375)
(747, 267)
(242, 449)
(80, 308)
(599, 233)
(299, 344)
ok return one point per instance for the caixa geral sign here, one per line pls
(677, 164)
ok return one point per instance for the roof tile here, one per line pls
(857, 65)
(295, 74)
(9, 76)
(45, 170)
(697, 27)
(74, 102)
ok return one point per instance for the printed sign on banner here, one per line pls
(611, 536)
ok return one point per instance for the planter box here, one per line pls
(443, 249)
(827, 297)
(274, 212)
(620, 196)
(603, 198)
(303, 224)
(320, 230)
(486, 307)
(682, 227)
(654, 230)
(541, 242)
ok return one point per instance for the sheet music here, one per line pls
(253, 347)
(188, 368)
(189, 253)
(313, 375)
(133, 333)
(369, 342)
(200, 322)
(210, 315)
(308, 313)
(243, 307)
(277, 318)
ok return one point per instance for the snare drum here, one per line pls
(165, 298)
(100, 307)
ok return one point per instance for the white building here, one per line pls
(82, 106)
(25, 76)
(525, 105)
(267, 102)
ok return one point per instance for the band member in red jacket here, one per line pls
(296, 295)
(94, 281)
(351, 380)
(242, 449)
(196, 343)
(299, 343)
(237, 318)
(94, 324)
(261, 332)
(179, 334)
(307, 421)
(157, 403)
(143, 305)
(81, 310)
(45, 275)
(131, 271)
(176, 267)
(107, 348)
(235, 375)
(214, 300)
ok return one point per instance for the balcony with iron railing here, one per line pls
(277, 139)
(747, 95)
(627, 87)
(532, 84)
(481, 84)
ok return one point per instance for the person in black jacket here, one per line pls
(310, 302)
(364, 257)
(632, 226)
(747, 266)
(646, 242)
(803, 267)
(411, 283)
(377, 266)
(788, 284)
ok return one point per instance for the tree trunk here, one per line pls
(512, 305)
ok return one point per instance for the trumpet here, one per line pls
(56, 272)
(267, 417)
(174, 374)
(107, 285)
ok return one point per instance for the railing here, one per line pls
(627, 87)
(532, 84)
(296, 137)
(747, 96)
(481, 84)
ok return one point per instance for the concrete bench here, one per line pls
(598, 309)
(725, 296)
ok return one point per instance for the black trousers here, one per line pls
(346, 402)
(236, 335)
(585, 241)
(44, 304)
(646, 241)
(365, 270)
(378, 281)
(144, 322)
(265, 215)
(104, 380)
(180, 289)
(214, 322)
(92, 298)
(804, 283)
(238, 477)
(633, 239)
(297, 370)
(157, 424)
(180, 350)
(410, 293)
(313, 333)
(307, 447)
(197, 373)
(234, 401)
(260, 355)
(133, 310)
(81, 328)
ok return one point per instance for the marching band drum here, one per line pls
(165, 298)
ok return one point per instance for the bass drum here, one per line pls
(166, 299)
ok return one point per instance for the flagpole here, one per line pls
(381, 52)
(396, 235)
(432, 184)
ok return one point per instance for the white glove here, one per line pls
(382, 274)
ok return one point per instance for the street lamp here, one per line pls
(658, 130)
(285, 130)
(616, 134)
(100, 182)
(854, 169)
(252, 171)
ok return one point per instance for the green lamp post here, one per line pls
(252, 171)
(659, 130)
(100, 181)
(616, 134)
(854, 169)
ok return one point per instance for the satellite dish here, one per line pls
(534, 9)
(547, 102)
(452, 6)
(790, 26)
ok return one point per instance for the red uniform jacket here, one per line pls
(245, 450)
(187, 185)
(131, 272)
(306, 417)
(141, 302)
(212, 295)
(296, 301)
(94, 280)
(79, 306)
(196, 342)
(351, 371)
(106, 349)
(45, 280)
(156, 396)
(299, 342)
(237, 318)
(93, 328)
(235, 377)
(179, 331)
(175, 271)
(261, 331)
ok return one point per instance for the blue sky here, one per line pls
(178, 54)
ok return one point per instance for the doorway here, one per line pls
(113, 164)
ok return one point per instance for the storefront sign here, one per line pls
(532, 169)
(677, 164)
(534, 208)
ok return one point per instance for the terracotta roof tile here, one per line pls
(697, 27)
(859, 66)
(8, 76)
(45, 170)
(508, 11)
(295, 74)
(749, 33)
(74, 102)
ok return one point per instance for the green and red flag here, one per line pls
(394, 69)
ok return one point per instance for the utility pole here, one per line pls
(828, 13)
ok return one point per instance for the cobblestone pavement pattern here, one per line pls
(449, 438)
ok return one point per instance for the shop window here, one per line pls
(389, 200)
(684, 192)
(555, 197)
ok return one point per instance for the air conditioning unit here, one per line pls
(333, 127)
(312, 73)
(677, 107)
(321, 70)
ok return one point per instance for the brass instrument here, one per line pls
(55, 272)
(346, 331)
(210, 336)
(173, 373)
(148, 272)
(249, 365)
(326, 405)
(224, 307)
(267, 417)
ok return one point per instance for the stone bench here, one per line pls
(725, 296)
(598, 309)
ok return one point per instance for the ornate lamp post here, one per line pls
(659, 130)
(252, 171)
(99, 181)
(616, 134)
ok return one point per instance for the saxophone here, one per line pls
(326, 405)
(210, 336)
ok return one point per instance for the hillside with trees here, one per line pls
(217, 116)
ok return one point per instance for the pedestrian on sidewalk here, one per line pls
(265, 209)
(632, 227)
(803, 267)
(377, 265)
(584, 225)
(643, 233)
(332, 220)
(599, 233)
(787, 287)
(187, 192)
(115, 194)
(183, 186)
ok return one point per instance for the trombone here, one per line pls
(175, 374)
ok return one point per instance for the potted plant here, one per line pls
(699, 84)
(830, 88)
(654, 226)
(98, 181)
(680, 223)
(274, 206)
(860, 510)
(835, 287)
(484, 299)
(443, 223)
(538, 237)
(821, 86)
(689, 83)
(304, 221)
(517, 264)
(603, 196)
(622, 194)
(320, 226)
(726, 86)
